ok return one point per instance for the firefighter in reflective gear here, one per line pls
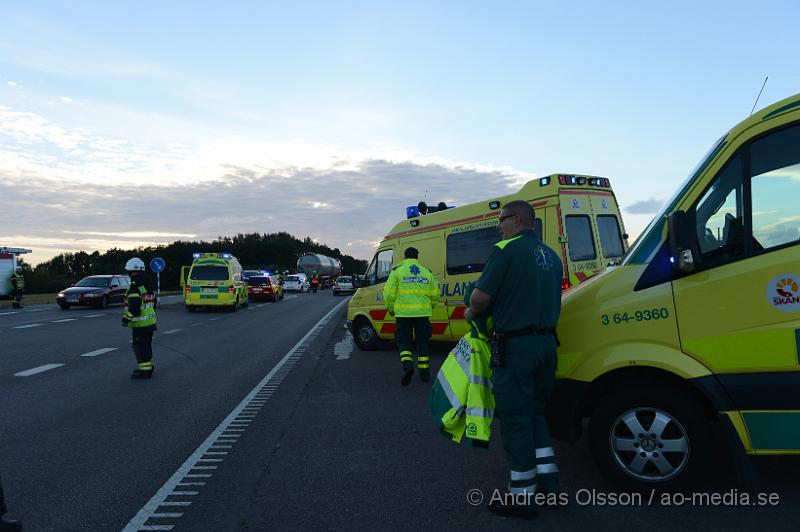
(140, 316)
(409, 295)
(17, 287)
(520, 288)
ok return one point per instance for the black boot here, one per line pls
(407, 377)
(141, 374)
(512, 510)
(9, 524)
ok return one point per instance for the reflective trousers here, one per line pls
(3, 508)
(522, 388)
(409, 329)
(142, 343)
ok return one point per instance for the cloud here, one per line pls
(649, 206)
(71, 189)
(11, 83)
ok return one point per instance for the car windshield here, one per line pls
(344, 280)
(94, 282)
(293, 278)
(258, 281)
(209, 273)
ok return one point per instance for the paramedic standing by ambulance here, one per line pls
(409, 295)
(521, 289)
(140, 317)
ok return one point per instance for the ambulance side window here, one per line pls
(775, 188)
(468, 252)
(384, 264)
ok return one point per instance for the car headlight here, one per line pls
(61, 294)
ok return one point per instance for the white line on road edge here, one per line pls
(92, 315)
(64, 320)
(184, 471)
(172, 331)
(99, 352)
(28, 326)
(40, 369)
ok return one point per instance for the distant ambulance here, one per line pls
(214, 280)
(577, 215)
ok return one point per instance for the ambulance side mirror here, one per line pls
(684, 252)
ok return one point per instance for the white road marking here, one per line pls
(172, 331)
(40, 369)
(93, 315)
(28, 326)
(97, 352)
(10, 313)
(64, 320)
(195, 324)
(185, 470)
(214, 319)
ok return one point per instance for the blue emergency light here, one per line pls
(412, 212)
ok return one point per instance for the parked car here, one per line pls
(343, 285)
(246, 274)
(95, 291)
(264, 287)
(296, 283)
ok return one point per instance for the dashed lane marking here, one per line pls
(40, 369)
(98, 352)
(93, 315)
(218, 440)
(28, 326)
(173, 331)
(64, 320)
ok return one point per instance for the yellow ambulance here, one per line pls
(213, 280)
(576, 215)
(690, 348)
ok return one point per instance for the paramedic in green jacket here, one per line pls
(409, 295)
(521, 288)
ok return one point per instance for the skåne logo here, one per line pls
(783, 292)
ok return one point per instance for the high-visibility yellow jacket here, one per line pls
(411, 290)
(140, 306)
(461, 400)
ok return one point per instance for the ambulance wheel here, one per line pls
(365, 336)
(651, 435)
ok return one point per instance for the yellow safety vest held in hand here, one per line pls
(147, 314)
(461, 399)
(411, 290)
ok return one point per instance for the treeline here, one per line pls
(273, 252)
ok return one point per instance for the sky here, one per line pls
(141, 123)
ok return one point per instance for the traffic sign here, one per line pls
(157, 265)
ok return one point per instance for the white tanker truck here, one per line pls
(327, 268)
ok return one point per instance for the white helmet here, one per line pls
(134, 265)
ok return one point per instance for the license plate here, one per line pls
(72, 300)
(209, 289)
(256, 290)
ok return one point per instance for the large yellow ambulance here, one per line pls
(576, 215)
(213, 280)
(694, 339)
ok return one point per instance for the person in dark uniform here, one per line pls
(17, 287)
(520, 288)
(140, 317)
(6, 524)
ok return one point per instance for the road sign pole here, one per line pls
(158, 289)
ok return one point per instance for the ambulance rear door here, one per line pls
(577, 215)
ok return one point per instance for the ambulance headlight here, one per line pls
(197, 255)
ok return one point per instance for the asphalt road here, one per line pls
(269, 420)
(83, 447)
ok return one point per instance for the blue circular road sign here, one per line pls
(157, 265)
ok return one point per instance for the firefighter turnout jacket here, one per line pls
(139, 305)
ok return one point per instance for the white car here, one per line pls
(296, 283)
(343, 285)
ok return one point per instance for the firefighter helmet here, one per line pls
(135, 265)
